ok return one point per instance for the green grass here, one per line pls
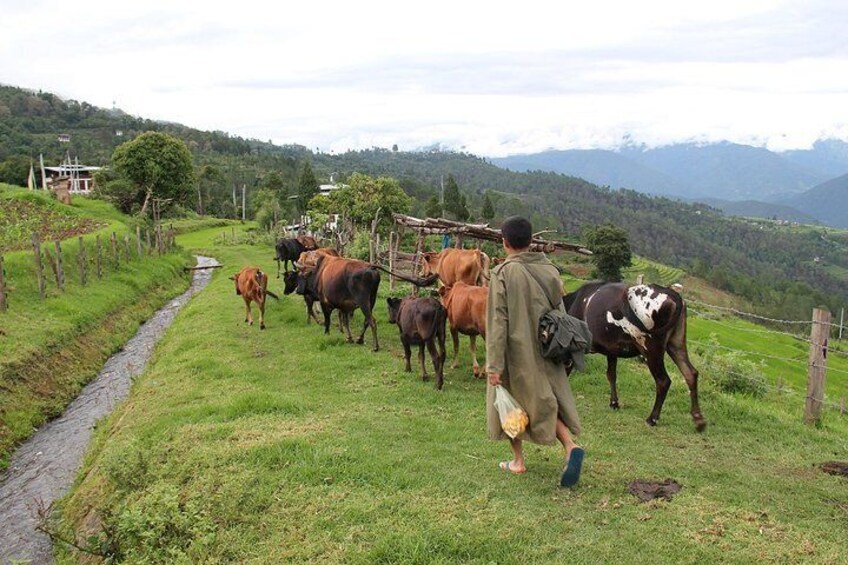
(291, 446)
(50, 348)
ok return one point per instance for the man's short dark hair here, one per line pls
(517, 232)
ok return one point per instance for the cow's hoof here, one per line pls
(425, 377)
(700, 425)
(614, 405)
(261, 326)
(651, 421)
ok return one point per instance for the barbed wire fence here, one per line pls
(815, 333)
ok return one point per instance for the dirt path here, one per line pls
(43, 468)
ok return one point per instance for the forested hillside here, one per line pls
(773, 265)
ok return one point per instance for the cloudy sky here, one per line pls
(492, 78)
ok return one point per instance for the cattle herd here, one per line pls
(642, 320)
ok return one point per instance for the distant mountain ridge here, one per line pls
(725, 171)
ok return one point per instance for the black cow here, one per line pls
(289, 250)
(421, 322)
(343, 284)
(647, 320)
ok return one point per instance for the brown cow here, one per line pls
(470, 266)
(343, 284)
(252, 286)
(466, 307)
(307, 261)
(421, 322)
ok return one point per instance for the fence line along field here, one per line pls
(292, 445)
(69, 302)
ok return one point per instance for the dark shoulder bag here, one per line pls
(563, 338)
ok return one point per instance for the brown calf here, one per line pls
(251, 285)
(466, 308)
(421, 322)
(470, 266)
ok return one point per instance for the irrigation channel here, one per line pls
(43, 468)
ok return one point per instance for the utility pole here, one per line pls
(841, 321)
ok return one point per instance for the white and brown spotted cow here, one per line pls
(647, 320)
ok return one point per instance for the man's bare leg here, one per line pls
(564, 436)
(517, 463)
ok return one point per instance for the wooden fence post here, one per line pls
(392, 237)
(82, 260)
(127, 246)
(115, 257)
(3, 304)
(60, 270)
(416, 265)
(138, 247)
(842, 405)
(817, 367)
(39, 266)
(99, 257)
(149, 245)
(640, 279)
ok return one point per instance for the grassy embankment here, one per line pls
(50, 348)
(288, 445)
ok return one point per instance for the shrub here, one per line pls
(730, 371)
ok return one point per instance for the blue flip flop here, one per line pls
(571, 474)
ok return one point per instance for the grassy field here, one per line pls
(50, 348)
(288, 445)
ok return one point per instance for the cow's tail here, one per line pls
(272, 295)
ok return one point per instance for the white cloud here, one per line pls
(495, 78)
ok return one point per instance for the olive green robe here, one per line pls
(541, 387)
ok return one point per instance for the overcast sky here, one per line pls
(492, 78)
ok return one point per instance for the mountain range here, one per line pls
(799, 185)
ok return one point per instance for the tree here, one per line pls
(488, 211)
(455, 202)
(364, 198)
(15, 170)
(307, 187)
(611, 251)
(433, 208)
(158, 165)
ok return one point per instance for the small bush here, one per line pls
(730, 372)
(162, 526)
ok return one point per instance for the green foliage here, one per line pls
(488, 210)
(611, 251)
(433, 208)
(162, 526)
(455, 203)
(158, 164)
(359, 247)
(364, 197)
(267, 209)
(307, 187)
(730, 371)
(15, 170)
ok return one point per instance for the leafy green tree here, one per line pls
(488, 211)
(611, 251)
(266, 207)
(215, 192)
(364, 197)
(307, 187)
(158, 165)
(455, 203)
(15, 170)
(433, 208)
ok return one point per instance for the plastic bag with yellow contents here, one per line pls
(513, 418)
